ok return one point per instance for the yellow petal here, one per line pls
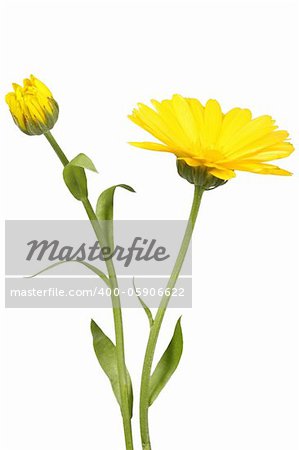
(251, 132)
(233, 121)
(40, 86)
(148, 126)
(16, 86)
(198, 114)
(191, 162)
(213, 121)
(185, 117)
(156, 123)
(35, 110)
(276, 151)
(223, 174)
(260, 145)
(257, 167)
(152, 146)
(165, 109)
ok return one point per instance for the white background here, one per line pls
(237, 384)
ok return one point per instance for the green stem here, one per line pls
(59, 152)
(118, 326)
(116, 304)
(155, 329)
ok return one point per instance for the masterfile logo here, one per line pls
(61, 264)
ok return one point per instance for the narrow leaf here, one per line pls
(105, 351)
(96, 271)
(89, 266)
(167, 364)
(104, 211)
(145, 307)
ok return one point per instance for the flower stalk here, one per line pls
(155, 329)
(116, 306)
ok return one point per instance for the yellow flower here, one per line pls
(203, 137)
(32, 106)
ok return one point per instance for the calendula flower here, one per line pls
(207, 141)
(32, 106)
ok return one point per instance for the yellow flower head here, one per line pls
(32, 106)
(204, 138)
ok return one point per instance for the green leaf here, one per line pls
(167, 364)
(104, 211)
(96, 271)
(105, 351)
(89, 266)
(145, 307)
(76, 181)
(83, 161)
(74, 175)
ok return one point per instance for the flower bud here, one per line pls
(32, 107)
(198, 175)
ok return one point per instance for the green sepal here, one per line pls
(74, 175)
(167, 364)
(104, 212)
(105, 351)
(199, 176)
(35, 127)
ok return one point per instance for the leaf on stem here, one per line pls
(83, 161)
(144, 306)
(105, 351)
(94, 269)
(104, 211)
(74, 175)
(167, 364)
